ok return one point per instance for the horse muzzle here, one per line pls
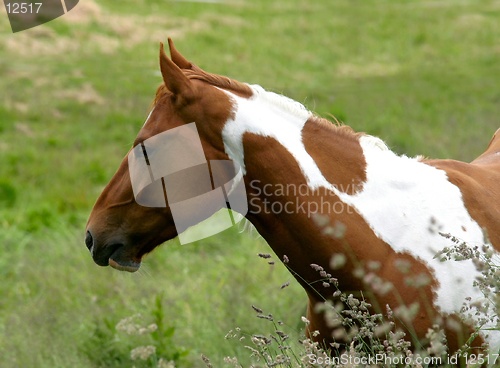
(115, 254)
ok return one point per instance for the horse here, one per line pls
(315, 191)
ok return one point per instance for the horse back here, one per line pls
(492, 154)
(479, 183)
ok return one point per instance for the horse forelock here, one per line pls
(161, 91)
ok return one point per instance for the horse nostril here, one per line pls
(89, 241)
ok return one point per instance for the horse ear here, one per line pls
(173, 77)
(177, 57)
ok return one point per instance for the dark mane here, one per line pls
(215, 80)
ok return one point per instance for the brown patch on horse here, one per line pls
(327, 143)
(478, 182)
(492, 154)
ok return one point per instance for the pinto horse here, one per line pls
(393, 209)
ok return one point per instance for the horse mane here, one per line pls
(340, 128)
(282, 101)
(239, 88)
(245, 90)
(220, 81)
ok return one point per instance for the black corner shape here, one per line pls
(31, 13)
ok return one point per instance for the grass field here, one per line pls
(422, 75)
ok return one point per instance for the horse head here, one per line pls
(132, 217)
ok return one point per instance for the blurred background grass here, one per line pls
(422, 75)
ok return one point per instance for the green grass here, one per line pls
(422, 75)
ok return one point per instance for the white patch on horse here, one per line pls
(401, 199)
(269, 115)
(408, 203)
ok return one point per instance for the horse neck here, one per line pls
(283, 204)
